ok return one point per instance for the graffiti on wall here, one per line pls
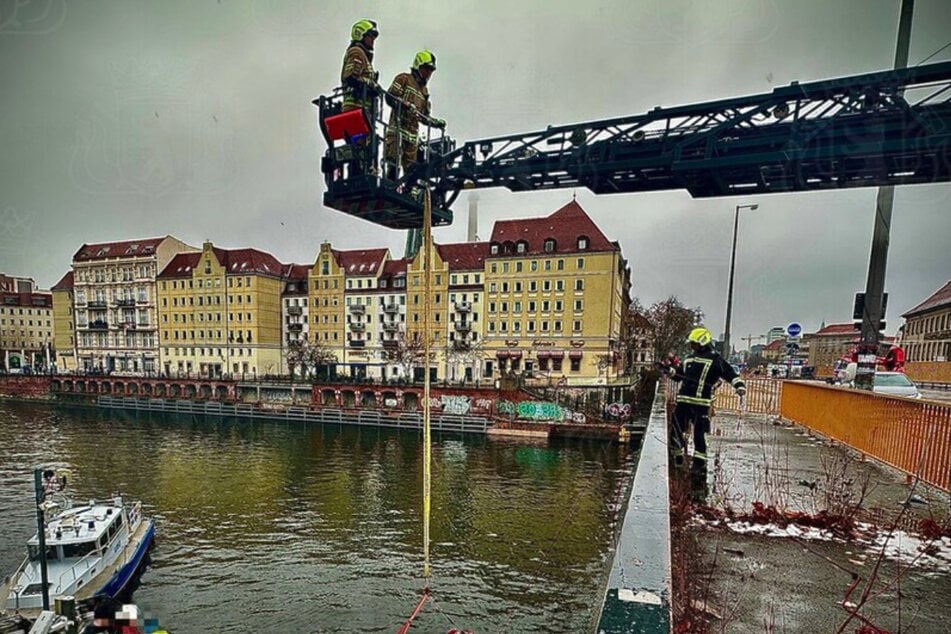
(455, 404)
(618, 410)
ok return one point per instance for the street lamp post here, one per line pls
(729, 293)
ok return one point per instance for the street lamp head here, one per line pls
(754, 207)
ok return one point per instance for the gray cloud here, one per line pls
(133, 118)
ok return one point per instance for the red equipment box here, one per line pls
(347, 126)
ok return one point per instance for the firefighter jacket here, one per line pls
(409, 89)
(358, 77)
(699, 374)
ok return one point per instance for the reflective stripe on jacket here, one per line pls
(408, 88)
(699, 374)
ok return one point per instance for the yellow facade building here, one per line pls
(26, 326)
(64, 324)
(556, 300)
(220, 313)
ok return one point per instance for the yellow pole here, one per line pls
(427, 440)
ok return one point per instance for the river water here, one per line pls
(278, 527)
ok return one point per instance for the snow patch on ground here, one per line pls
(909, 549)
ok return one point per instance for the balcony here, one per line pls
(295, 327)
(357, 343)
(390, 326)
(99, 324)
(356, 326)
(96, 303)
(460, 344)
(357, 309)
(127, 325)
(463, 307)
(391, 343)
(142, 301)
(391, 308)
(128, 301)
(295, 310)
(463, 326)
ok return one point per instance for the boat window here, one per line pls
(78, 550)
(35, 553)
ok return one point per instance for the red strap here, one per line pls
(419, 606)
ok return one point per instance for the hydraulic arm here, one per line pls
(883, 128)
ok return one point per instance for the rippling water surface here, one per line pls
(276, 527)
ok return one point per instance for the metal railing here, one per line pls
(911, 435)
(763, 396)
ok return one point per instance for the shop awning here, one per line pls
(502, 354)
(576, 354)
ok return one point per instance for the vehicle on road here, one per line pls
(895, 384)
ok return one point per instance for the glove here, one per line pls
(743, 401)
(438, 123)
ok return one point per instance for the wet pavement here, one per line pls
(788, 577)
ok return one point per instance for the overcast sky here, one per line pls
(131, 119)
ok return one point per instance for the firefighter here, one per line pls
(698, 374)
(357, 76)
(894, 358)
(408, 97)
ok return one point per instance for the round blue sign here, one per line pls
(793, 329)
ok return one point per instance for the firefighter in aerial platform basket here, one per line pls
(359, 80)
(408, 97)
(698, 374)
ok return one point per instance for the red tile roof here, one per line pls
(296, 272)
(640, 321)
(360, 261)
(65, 283)
(941, 297)
(127, 248)
(235, 262)
(565, 226)
(464, 256)
(836, 329)
(775, 345)
(395, 267)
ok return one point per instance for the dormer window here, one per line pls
(494, 249)
(549, 245)
(582, 243)
(521, 247)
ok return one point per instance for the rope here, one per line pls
(427, 435)
(419, 606)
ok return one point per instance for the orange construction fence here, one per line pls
(911, 435)
(931, 371)
(762, 396)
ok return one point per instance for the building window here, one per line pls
(579, 285)
(549, 245)
(582, 243)
(580, 263)
(576, 325)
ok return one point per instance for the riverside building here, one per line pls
(220, 313)
(116, 316)
(26, 325)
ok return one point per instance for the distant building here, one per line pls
(774, 351)
(640, 337)
(115, 303)
(220, 313)
(828, 344)
(775, 334)
(26, 324)
(64, 324)
(294, 308)
(926, 335)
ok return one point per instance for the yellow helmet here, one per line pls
(700, 336)
(424, 58)
(361, 28)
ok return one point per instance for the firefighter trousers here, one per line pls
(685, 415)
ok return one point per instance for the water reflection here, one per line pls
(287, 527)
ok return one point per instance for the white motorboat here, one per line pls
(91, 550)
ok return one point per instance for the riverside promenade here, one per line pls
(797, 532)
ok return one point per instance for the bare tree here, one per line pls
(672, 322)
(296, 356)
(468, 353)
(406, 352)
